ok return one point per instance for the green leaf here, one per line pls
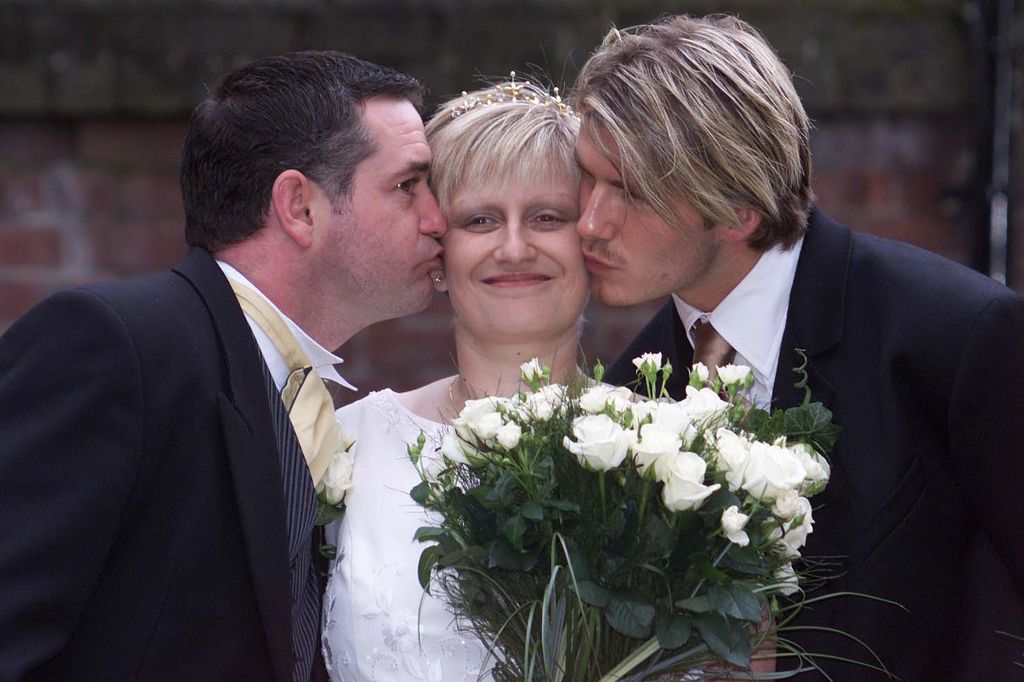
(420, 493)
(630, 614)
(658, 537)
(735, 600)
(728, 639)
(592, 593)
(428, 533)
(428, 558)
(325, 513)
(562, 505)
(673, 630)
(698, 604)
(532, 510)
(812, 422)
(514, 529)
(502, 555)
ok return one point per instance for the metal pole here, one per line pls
(999, 188)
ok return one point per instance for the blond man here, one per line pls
(696, 186)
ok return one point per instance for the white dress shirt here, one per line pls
(752, 317)
(322, 359)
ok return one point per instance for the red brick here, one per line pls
(17, 297)
(132, 144)
(30, 246)
(99, 191)
(21, 193)
(150, 194)
(131, 248)
(31, 144)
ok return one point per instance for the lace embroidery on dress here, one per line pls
(383, 603)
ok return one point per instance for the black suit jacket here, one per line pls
(921, 362)
(141, 503)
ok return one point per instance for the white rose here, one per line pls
(796, 533)
(600, 444)
(455, 450)
(817, 468)
(479, 419)
(787, 504)
(655, 448)
(733, 374)
(786, 576)
(531, 371)
(702, 403)
(596, 398)
(733, 452)
(337, 480)
(543, 403)
(642, 410)
(648, 362)
(701, 370)
(684, 483)
(674, 417)
(733, 523)
(432, 467)
(771, 470)
(509, 435)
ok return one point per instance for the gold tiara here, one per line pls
(513, 91)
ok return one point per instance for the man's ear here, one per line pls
(291, 204)
(747, 222)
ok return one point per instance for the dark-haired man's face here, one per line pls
(383, 243)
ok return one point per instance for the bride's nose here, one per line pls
(515, 245)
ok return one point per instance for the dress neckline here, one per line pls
(392, 397)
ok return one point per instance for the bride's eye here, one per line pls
(549, 220)
(479, 223)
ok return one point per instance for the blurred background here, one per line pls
(916, 106)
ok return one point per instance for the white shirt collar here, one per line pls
(752, 317)
(322, 359)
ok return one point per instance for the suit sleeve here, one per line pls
(71, 425)
(986, 415)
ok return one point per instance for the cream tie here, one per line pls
(305, 396)
(710, 348)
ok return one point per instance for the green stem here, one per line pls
(600, 487)
(643, 501)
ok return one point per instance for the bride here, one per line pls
(507, 182)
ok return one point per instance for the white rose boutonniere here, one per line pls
(334, 486)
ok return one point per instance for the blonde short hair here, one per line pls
(702, 109)
(475, 141)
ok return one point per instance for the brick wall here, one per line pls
(95, 95)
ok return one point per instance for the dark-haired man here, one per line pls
(156, 499)
(696, 183)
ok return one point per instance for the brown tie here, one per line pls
(710, 348)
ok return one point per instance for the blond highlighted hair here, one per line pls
(702, 109)
(497, 139)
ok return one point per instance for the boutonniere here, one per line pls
(334, 486)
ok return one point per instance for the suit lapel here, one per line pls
(254, 461)
(814, 321)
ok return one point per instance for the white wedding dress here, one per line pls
(378, 623)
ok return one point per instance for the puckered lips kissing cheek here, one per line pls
(598, 259)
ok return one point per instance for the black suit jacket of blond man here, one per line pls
(921, 362)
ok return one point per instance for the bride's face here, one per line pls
(513, 264)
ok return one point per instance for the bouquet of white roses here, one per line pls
(587, 533)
